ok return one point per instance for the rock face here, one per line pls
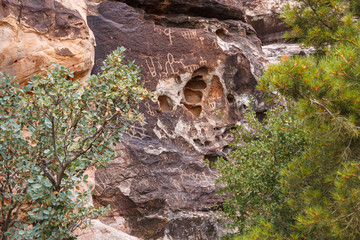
(273, 52)
(221, 9)
(263, 15)
(203, 71)
(35, 33)
(101, 231)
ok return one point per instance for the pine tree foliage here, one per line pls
(253, 174)
(318, 181)
(319, 23)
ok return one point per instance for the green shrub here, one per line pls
(297, 175)
(51, 131)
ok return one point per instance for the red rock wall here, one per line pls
(203, 72)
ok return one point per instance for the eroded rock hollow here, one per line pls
(202, 60)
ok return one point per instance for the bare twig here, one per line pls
(322, 106)
(53, 132)
(47, 172)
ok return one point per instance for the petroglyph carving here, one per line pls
(151, 66)
(173, 66)
(149, 110)
(160, 66)
(212, 105)
(167, 32)
(153, 63)
(138, 132)
(215, 44)
(170, 63)
(191, 67)
(193, 56)
(202, 40)
(189, 34)
(202, 61)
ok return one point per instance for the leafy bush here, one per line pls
(51, 131)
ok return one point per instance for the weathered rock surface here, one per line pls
(221, 9)
(274, 52)
(203, 71)
(264, 16)
(35, 33)
(101, 231)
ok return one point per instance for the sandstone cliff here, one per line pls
(35, 33)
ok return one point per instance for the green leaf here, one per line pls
(37, 186)
(48, 123)
(48, 184)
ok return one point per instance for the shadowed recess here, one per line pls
(201, 71)
(216, 89)
(230, 98)
(196, 83)
(196, 110)
(166, 104)
(192, 96)
(220, 33)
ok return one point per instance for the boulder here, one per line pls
(203, 72)
(35, 33)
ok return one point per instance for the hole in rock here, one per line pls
(217, 138)
(197, 78)
(220, 33)
(178, 79)
(216, 89)
(226, 149)
(166, 104)
(192, 96)
(201, 71)
(207, 143)
(196, 83)
(229, 132)
(196, 110)
(230, 98)
(212, 158)
(197, 142)
(261, 116)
